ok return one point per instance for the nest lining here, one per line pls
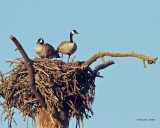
(64, 86)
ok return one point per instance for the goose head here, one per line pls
(74, 32)
(71, 34)
(40, 41)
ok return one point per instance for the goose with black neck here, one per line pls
(68, 47)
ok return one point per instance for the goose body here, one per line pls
(45, 50)
(68, 47)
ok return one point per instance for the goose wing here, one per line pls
(51, 52)
(62, 45)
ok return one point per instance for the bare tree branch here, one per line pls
(149, 59)
(30, 71)
(102, 66)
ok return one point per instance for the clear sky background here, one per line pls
(128, 91)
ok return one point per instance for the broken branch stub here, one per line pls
(30, 71)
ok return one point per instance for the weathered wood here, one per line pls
(46, 120)
(88, 62)
(30, 71)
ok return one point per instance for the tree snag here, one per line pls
(53, 91)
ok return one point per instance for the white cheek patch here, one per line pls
(41, 41)
(73, 32)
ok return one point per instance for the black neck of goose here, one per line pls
(71, 37)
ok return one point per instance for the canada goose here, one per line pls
(45, 50)
(68, 47)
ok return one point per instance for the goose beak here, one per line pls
(76, 32)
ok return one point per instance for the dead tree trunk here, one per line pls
(44, 120)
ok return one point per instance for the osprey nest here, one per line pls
(64, 86)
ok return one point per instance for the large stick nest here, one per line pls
(64, 86)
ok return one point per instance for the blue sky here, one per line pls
(128, 91)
